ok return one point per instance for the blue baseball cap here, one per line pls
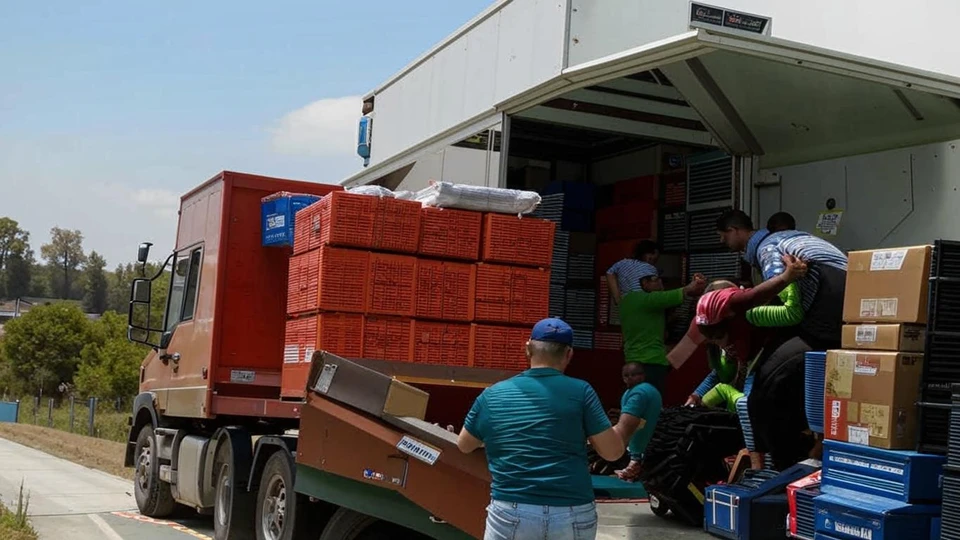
(552, 330)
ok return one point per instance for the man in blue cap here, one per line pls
(534, 427)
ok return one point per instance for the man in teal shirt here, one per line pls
(643, 320)
(535, 428)
(639, 411)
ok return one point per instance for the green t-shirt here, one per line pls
(643, 321)
(644, 402)
(535, 428)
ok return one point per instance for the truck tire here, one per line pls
(282, 514)
(233, 511)
(154, 498)
(349, 525)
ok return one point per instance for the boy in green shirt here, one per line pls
(639, 411)
(643, 321)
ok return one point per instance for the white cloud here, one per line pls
(159, 202)
(327, 127)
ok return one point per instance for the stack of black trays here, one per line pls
(686, 454)
(941, 364)
(950, 516)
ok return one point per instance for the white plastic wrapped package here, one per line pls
(478, 198)
(374, 191)
(405, 195)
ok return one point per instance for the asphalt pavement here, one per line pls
(70, 501)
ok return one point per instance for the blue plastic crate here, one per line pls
(815, 366)
(935, 529)
(900, 475)
(847, 514)
(277, 214)
(578, 195)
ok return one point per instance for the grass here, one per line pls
(100, 454)
(14, 524)
(108, 423)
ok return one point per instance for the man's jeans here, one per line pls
(513, 521)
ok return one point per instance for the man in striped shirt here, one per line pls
(821, 291)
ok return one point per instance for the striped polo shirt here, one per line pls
(766, 250)
(629, 272)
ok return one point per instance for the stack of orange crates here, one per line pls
(386, 279)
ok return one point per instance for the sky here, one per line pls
(110, 110)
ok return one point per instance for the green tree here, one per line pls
(14, 242)
(42, 348)
(95, 284)
(64, 253)
(18, 275)
(110, 365)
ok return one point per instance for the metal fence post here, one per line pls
(50, 412)
(36, 409)
(93, 410)
(17, 417)
(73, 402)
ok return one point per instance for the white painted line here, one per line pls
(109, 533)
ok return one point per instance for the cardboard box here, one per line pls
(366, 389)
(887, 285)
(870, 398)
(884, 337)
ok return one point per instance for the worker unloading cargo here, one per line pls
(639, 410)
(643, 320)
(623, 277)
(534, 427)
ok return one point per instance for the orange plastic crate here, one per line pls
(445, 290)
(386, 338)
(441, 343)
(365, 221)
(449, 233)
(306, 229)
(295, 300)
(297, 350)
(338, 333)
(331, 279)
(499, 347)
(511, 294)
(609, 341)
(524, 241)
(393, 285)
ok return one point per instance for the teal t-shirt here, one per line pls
(535, 428)
(644, 402)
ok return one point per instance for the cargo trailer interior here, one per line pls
(713, 122)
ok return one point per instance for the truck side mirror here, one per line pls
(165, 340)
(143, 252)
(142, 291)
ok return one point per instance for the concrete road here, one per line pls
(72, 501)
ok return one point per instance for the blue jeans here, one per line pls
(514, 521)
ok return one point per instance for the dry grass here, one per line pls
(100, 454)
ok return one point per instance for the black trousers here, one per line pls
(776, 404)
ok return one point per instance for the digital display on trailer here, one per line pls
(706, 16)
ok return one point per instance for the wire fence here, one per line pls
(104, 419)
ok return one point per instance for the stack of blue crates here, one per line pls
(277, 213)
(815, 366)
(878, 494)
(579, 203)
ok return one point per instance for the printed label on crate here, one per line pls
(290, 354)
(858, 435)
(307, 355)
(276, 221)
(879, 307)
(326, 377)
(853, 530)
(838, 418)
(839, 378)
(861, 464)
(419, 450)
(866, 334)
(867, 366)
(887, 260)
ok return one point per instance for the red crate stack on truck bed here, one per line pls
(386, 279)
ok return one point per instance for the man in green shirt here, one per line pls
(643, 320)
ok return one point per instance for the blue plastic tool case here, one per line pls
(277, 214)
(847, 514)
(950, 515)
(815, 373)
(754, 508)
(904, 476)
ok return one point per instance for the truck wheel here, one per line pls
(349, 525)
(153, 496)
(281, 513)
(234, 508)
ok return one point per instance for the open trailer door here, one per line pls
(752, 95)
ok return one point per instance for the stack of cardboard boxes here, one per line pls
(873, 382)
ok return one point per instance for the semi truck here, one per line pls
(724, 113)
